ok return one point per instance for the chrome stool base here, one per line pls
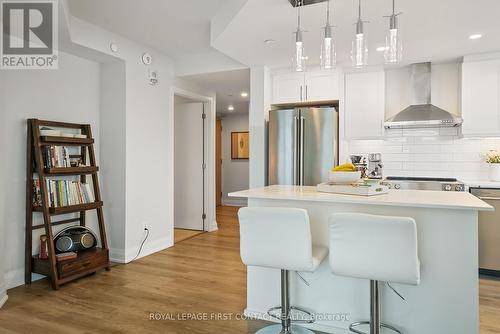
(357, 331)
(374, 324)
(284, 316)
(278, 329)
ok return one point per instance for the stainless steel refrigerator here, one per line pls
(303, 145)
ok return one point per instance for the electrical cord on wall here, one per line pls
(142, 244)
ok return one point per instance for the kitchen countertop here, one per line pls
(406, 198)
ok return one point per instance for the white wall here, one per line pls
(147, 149)
(260, 102)
(235, 173)
(69, 94)
(112, 168)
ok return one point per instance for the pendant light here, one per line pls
(328, 55)
(393, 45)
(298, 59)
(359, 51)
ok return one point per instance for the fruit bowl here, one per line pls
(340, 177)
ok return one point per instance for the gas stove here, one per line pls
(423, 183)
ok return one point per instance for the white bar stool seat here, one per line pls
(279, 238)
(377, 248)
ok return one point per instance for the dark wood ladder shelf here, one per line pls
(70, 208)
(88, 261)
(71, 170)
(69, 141)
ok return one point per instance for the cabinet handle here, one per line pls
(306, 93)
(301, 92)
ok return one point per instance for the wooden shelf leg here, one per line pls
(29, 206)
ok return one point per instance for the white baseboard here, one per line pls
(234, 201)
(213, 227)
(262, 315)
(149, 248)
(3, 300)
(15, 278)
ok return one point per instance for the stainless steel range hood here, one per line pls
(421, 113)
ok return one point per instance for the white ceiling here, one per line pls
(178, 28)
(228, 86)
(435, 30)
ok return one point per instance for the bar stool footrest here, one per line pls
(357, 331)
(295, 308)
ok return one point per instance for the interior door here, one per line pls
(283, 129)
(218, 162)
(188, 166)
(319, 141)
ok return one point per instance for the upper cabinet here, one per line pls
(364, 105)
(481, 98)
(305, 87)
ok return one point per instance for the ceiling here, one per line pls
(228, 86)
(178, 28)
(432, 30)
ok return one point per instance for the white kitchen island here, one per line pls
(446, 301)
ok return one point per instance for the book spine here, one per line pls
(91, 195)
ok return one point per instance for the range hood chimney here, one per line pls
(421, 113)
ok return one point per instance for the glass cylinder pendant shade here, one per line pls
(298, 59)
(359, 52)
(393, 44)
(328, 56)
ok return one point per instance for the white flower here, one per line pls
(493, 157)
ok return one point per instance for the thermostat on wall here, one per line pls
(146, 58)
(153, 77)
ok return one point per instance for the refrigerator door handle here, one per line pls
(301, 156)
(295, 153)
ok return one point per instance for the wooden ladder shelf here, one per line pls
(88, 261)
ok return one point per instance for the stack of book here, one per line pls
(37, 195)
(64, 192)
(56, 156)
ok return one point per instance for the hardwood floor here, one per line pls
(181, 234)
(203, 274)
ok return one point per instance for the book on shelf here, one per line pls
(56, 156)
(63, 193)
(37, 194)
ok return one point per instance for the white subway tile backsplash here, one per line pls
(422, 149)
(431, 157)
(429, 153)
(467, 157)
(420, 132)
(448, 132)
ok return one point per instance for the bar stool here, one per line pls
(280, 238)
(378, 248)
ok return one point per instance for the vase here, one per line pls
(495, 172)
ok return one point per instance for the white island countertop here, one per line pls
(406, 198)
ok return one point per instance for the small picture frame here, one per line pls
(240, 145)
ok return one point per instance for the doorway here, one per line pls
(190, 141)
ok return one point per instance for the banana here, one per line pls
(344, 168)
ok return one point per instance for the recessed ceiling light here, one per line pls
(475, 36)
(269, 41)
(244, 94)
(381, 49)
(230, 108)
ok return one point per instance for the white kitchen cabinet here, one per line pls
(364, 105)
(305, 87)
(481, 98)
(288, 88)
(321, 86)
